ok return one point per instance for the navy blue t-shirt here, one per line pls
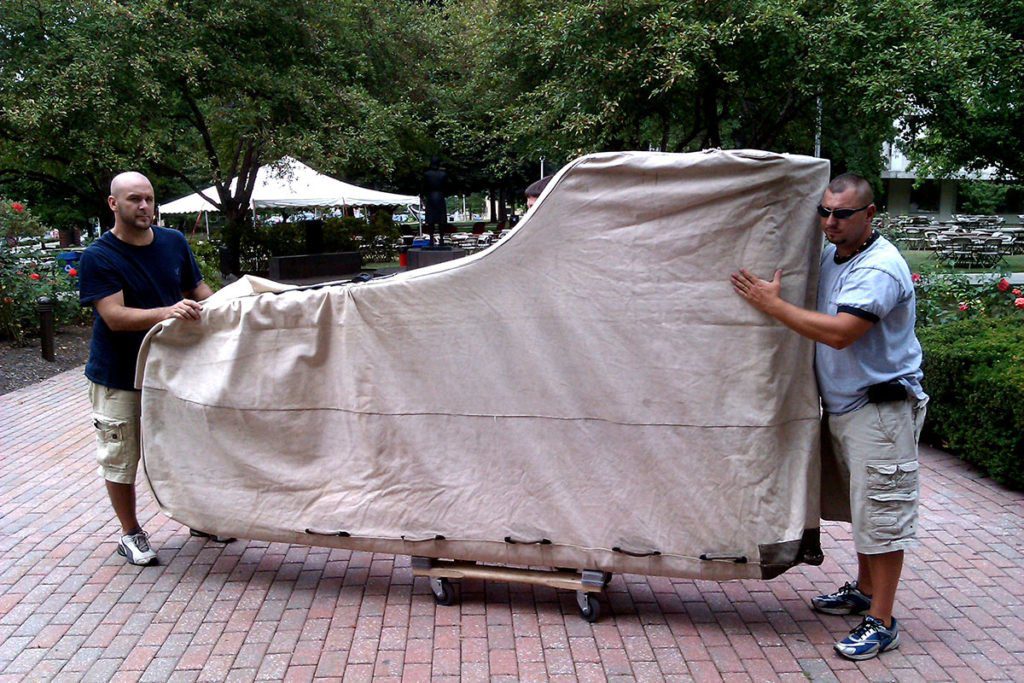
(152, 276)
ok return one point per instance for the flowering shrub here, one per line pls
(947, 297)
(26, 275)
(17, 221)
(971, 329)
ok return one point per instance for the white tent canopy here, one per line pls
(291, 183)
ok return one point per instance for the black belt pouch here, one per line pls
(887, 392)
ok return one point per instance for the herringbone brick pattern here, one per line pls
(70, 609)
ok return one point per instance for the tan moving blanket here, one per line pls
(589, 392)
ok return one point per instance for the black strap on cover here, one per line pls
(651, 553)
(512, 541)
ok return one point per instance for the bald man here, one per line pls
(133, 276)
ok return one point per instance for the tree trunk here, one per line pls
(709, 102)
(235, 208)
(236, 223)
(106, 220)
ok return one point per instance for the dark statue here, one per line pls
(435, 181)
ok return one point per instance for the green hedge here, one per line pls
(974, 373)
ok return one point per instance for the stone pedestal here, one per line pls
(420, 258)
(309, 266)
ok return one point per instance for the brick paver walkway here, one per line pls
(71, 609)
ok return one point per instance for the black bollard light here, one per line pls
(46, 335)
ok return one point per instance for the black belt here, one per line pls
(886, 392)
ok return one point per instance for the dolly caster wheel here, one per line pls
(589, 607)
(443, 592)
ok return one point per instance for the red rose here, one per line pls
(34, 276)
(1019, 302)
(18, 207)
(916, 277)
(1004, 285)
(1016, 292)
(73, 272)
(963, 307)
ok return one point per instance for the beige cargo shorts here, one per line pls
(870, 473)
(115, 415)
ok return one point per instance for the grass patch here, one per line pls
(925, 260)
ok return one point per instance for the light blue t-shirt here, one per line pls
(874, 285)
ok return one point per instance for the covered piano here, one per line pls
(588, 392)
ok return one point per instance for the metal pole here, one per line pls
(542, 167)
(46, 334)
(817, 131)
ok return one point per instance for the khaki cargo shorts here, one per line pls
(115, 415)
(870, 473)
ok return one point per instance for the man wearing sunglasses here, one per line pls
(868, 366)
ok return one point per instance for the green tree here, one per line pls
(191, 92)
(560, 79)
(465, 91)
(197, 91)
(973, 118)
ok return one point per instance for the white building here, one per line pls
(935, 197)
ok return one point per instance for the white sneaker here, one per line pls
(135, 548)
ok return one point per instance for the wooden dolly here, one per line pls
(587, 583)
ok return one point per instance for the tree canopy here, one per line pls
(197, 91)
(566, 78)
(973, 117)
(192, 92)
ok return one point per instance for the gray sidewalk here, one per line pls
(70, 609)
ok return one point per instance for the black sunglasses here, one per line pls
(840, 214)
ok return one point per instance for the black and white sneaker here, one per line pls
(135, 548)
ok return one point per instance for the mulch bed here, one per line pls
(21, 366)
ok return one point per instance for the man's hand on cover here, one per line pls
(186, 309)
(121, 318)
(761, 294)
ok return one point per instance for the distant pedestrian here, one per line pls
(134, 276)
(868, 366)
(535, 189)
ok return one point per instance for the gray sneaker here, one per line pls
(846, 600)
(135, 548)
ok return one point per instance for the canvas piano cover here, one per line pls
(589, 392)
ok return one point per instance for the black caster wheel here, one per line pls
(589, 607)
(443, 592)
